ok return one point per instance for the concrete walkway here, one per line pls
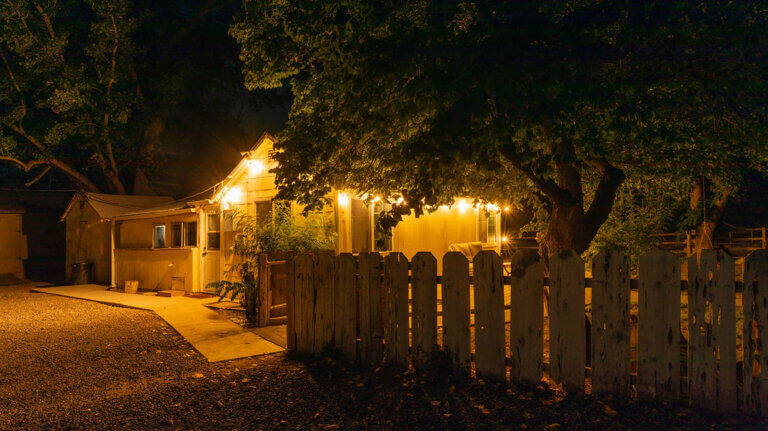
(218, 339)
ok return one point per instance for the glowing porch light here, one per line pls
(255, 167)
(463, 205)
(400, 200)
(232, 196)
(343, 199)
(504, 239)
(506, 209)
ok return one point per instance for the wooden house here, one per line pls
(185, 243)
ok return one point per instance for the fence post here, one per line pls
(370, 298)
(325, 265)
(658, 348)
(567, 329)
(526, 317)
(610, 323)
(490, 346)
(755, 333)
(396, 321)
(424, 306)
(290, 312)
(711, 309)
(456, 335)
(345, 305)
(304, 306)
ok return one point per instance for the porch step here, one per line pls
(171, 293)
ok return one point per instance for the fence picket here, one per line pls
(490, 346)
(658, 350)
(345, 305)
(290, 324)
(567, 330)
(710, 283)
(305, 302)
(755, 333)
(325, 265)
(526, 317)
(610, 323)
(455, 296)
(370, 307)
(424, 311)
(396, 326)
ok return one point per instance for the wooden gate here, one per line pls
(273, 288)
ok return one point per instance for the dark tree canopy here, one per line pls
(108, 91)
(545, 103)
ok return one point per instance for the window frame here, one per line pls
(173, 235)
(375, 214)
(209, 231)
(185, 234)
(155, 226)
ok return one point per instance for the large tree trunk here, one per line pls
(570, 227)
(705, 231)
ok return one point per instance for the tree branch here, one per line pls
(605, 194)
(548, 187)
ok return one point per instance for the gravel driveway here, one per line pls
(68, 363)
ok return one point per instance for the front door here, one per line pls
(212, 250)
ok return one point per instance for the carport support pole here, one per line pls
(112, 264)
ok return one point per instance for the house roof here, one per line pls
(11, 209)
(109, 206)
(242, 165)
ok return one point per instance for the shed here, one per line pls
(13, 242)
(89, 232)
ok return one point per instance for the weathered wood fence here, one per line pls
(491, 320)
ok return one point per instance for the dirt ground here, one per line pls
(75, 364)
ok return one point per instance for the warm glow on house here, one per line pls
(255, 167)
(233, 196)
(463, 205)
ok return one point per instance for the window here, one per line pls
(190, 234)
(382, 241)
(159, 236)
(488, 226)
(176, 235)
(263, 211)
(214, 231)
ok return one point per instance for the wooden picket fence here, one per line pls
(490, 320)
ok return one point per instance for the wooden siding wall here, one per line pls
(89, 239)
(13, 245)
(154, 268)
(373, 309)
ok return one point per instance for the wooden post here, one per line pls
(526, 317)
(396, 322)
(490, 346)
(424, 306)
(324, 280)
(290, 312)
(455, 286)
(755, 333)
(370, 307)
(345, 306)
(304, 288)
(567, 330)
(610, 323)
(711, 331)
(263, 293)
(658, 350)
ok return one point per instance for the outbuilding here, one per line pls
(89, 232)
